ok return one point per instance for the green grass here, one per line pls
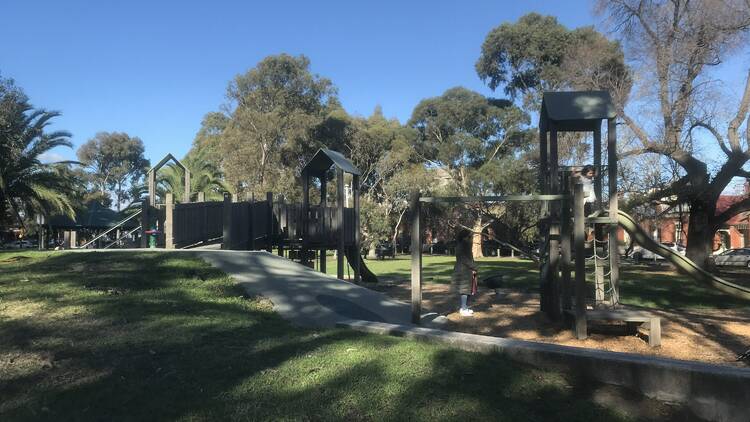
(155, 336)
(641, 285)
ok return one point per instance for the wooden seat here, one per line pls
(635, 319)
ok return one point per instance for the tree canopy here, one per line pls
(672, 48)
(115, 161)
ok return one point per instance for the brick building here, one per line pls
(672, 226)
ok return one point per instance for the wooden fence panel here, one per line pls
(197, 222)
(240, 236)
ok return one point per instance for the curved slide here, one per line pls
(682, 263)
(352, 255)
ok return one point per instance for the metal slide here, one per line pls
(682, 263)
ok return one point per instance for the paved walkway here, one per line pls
(302, 295)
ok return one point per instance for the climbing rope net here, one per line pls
(604, 293)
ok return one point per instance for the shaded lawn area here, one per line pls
(641, 285)
(159, 336)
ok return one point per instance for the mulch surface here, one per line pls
(713, 336)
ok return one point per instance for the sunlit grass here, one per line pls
(641, 285)
(154, 336)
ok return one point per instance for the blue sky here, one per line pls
(153, 69)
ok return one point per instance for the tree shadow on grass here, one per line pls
(181, 340)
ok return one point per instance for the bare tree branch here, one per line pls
(734, 125)
(714, 132)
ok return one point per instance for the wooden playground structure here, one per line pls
(303, 232)
(563, 289)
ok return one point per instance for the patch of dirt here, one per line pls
(714, 336)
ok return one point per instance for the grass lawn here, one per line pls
(641, 285)
(158, 336)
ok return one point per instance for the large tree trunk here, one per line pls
(476, 241)
(700, 232)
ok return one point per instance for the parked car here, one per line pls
(733, 258)
(385, 249)
(19, 244)
(639, 253)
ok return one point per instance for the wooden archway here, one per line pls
(152, 179)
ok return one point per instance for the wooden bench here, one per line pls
(634, 319)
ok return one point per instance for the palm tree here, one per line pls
(28, 186)
(204, 177)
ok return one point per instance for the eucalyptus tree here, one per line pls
(273, 112)
(470, 138)
(537, 54)
(115, 162)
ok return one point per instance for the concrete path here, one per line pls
(302, 295)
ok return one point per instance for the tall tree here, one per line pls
(465, 134)
(537, 54)
(115, 161)
(207, 142)
(672, 48)
(383, 150)
(29, 186)
(274, 111)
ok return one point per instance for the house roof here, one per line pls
(325, 158)
(576, 110)
(726, 201)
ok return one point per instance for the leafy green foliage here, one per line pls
(276, 109)
(115, 161)
(28, 186)
(204, 177)
(461, 131)
(539, 54)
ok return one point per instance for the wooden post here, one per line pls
(226, 241)
(416, 259)
(614, 249)
(323, 227)
(251, 224)
(269, 220)
(598, 165)
(305, 217)
(73, 240)
(543, 157)
(169, 222)
(201, 197)
(340, 252)
(145, 221)
(580, 276)
(566, 251)
(357, 241)
(282, 234)
(186, 193)
(152, 187)
(553, 288)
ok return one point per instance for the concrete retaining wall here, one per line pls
(716, 393)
